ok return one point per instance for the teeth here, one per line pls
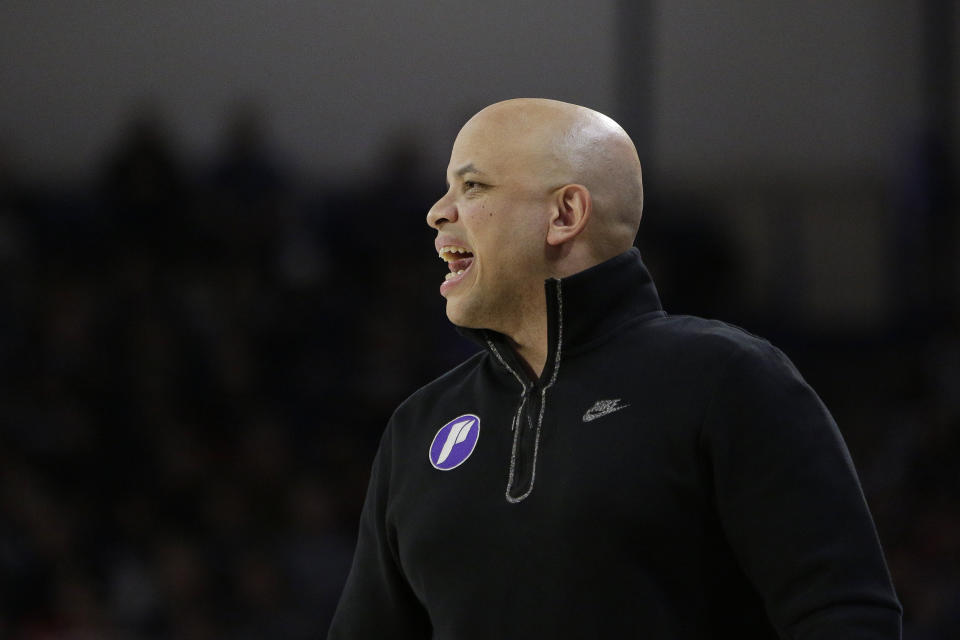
(453, 274)
(445, 252)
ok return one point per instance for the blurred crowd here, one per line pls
(199, 358)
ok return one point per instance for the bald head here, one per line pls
(537, 189)
(559, 143)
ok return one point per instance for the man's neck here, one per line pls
(533, 354)
(529, 340)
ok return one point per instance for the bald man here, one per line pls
(600, 469)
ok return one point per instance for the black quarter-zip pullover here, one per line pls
(665, 477)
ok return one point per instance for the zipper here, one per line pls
(527, 423)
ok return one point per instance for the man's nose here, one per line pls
(443, 210)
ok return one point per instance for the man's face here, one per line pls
(492, 225)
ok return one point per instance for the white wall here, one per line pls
(336, 76)
(753, 89)
(781, 87)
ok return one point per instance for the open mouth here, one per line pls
(458, 260)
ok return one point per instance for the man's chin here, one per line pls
(460, 315)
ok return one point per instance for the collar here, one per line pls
(581, 310)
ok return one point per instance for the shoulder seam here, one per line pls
(718, 383)
(469, 364)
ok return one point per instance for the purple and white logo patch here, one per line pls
(454, 442)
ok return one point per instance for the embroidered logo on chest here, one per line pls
(454, 442)
(602, 408)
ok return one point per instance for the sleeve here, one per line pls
(377, 601)
(791, 505)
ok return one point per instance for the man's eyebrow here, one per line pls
(467, 168)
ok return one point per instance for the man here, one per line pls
(601, 469)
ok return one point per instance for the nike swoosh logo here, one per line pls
(602, 408)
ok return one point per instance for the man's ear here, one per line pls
(572, 209)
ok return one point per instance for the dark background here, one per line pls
(216, 281)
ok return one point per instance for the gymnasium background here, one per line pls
(216, 281)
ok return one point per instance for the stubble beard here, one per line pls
(505, 309)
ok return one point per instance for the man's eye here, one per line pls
(470, 185)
